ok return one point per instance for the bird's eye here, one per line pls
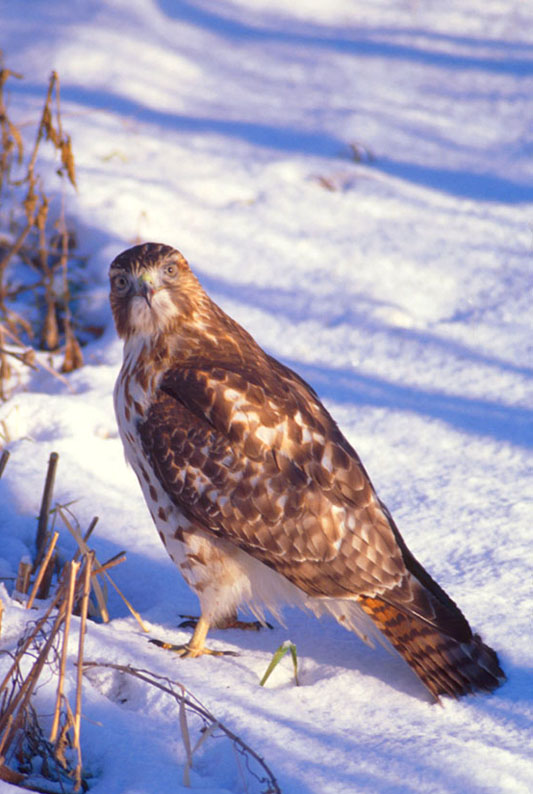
(120, 283)
(170, 270)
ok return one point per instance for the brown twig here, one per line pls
(45, 507)
(23, 576)
(166, 685)
(24, 358)
(133, 611)
(5, 367)
(116, 560)
(79, 673)
(19, 702)
(86, 537)
(66, 612)
(32, 241)
(73, 357)
(44, 588)
(3, 739)
(38, 627)
(11, 139)
(85, 550)
(30, 359)
(3, 461)
(42, 569)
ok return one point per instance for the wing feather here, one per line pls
(251, 454)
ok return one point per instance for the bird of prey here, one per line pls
(256, 494)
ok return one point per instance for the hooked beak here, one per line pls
(146, 288)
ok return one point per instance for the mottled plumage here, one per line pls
(255, 492)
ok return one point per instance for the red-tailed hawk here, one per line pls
(256, 494)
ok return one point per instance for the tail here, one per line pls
(446, 664)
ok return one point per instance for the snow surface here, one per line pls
(403, 295)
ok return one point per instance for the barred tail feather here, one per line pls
(445, 665)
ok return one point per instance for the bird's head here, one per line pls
(151, 287)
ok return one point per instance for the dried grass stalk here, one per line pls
(7, 729)
(19, 730)
(27, 357)
(44, 589)
(84, 549)
(10, 776)
(79, 672)
(20, 702)
(42, 570)
(3, 461)
(133, 611)
(116, 560)
(38, 242)
(32, 635)
(86, 537)
(66, 612)
(23, 576)
(44, 512)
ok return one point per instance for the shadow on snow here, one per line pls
(295, 140)
(377, 42)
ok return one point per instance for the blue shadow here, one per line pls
(372, 44)
(292, 140)
(464, 184)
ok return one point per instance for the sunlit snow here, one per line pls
(399, 286)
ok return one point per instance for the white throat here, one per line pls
(155, 319)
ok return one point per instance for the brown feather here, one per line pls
(445, 665)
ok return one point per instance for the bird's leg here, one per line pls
(229, 622)
(196, 646)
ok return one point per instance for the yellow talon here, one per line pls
(196, 646)
(188, 652)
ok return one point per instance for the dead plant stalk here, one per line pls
(42, 570)
(73, 570)
(79, 672)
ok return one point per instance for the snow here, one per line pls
(398, 286)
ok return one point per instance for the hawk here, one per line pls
(256, 494)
